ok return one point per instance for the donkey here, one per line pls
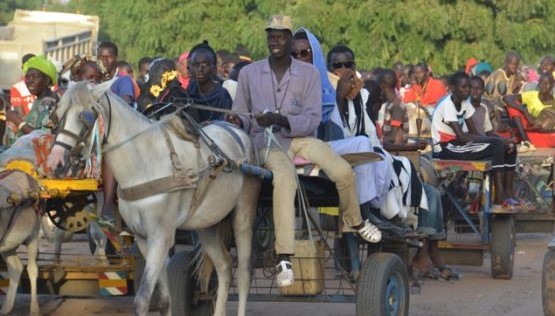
(19, 225)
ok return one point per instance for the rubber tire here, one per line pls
(502, 246)
(383, 277)
(263, 237)
(427, 171)
(49, 230)
(182, 286)
(548, 283)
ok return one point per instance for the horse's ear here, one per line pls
(99, 89)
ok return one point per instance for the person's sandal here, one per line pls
(447, 273)
(530, 146)
(285, 275)
(369, 232)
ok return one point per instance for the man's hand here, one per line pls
(234, 119)
(270, 118)
(14, 117)
(509, 144)
(346, 83)
(421, 144)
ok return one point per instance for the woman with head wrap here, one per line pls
(161, 89)
(40, 76)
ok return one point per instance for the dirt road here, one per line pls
(477, 294)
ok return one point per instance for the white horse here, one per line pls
(139, 151)
(19, 225)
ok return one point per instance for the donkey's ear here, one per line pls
(99, 89)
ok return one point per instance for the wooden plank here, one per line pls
(461, 165)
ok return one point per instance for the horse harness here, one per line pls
(181, 179)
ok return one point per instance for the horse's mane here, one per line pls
(81, 94)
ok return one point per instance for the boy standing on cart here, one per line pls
(284, 95)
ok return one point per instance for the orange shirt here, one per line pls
(20, 96)
(427, 95)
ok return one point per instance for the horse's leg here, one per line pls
(214, 249)
(14, 272)
(243, 218)
(33, 271)
(100, 240)
(164, 292)
(58, 240)
(155, 251)
(163, 289)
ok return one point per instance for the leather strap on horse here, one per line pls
(181, 179)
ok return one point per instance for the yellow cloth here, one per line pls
(333, 211)
(43, 65)
(533, 103)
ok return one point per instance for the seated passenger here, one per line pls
(452, 117)
(501, 82)
(351, 100)
(40, 76)
(285, 97)
(423, 94)
(162, 89)
(536, 107)
(372, 178)
(203, 86)
(428, 261)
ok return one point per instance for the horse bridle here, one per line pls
(87, 126)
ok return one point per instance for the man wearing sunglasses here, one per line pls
(284, 96)
(372, 178)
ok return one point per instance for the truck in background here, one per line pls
(59, 36)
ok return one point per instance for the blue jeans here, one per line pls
(430, 222)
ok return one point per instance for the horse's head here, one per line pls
(76, 115)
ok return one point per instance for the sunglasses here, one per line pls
(300, 53)
(346, 64)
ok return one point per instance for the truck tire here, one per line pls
(383, 288)
(503, 242)
(182, 286)
(548, 283)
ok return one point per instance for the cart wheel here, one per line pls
(70, 213)
(49, 230)
(383, 288)
(182, 286)
(548, 283)
(503, 242)
(263, 236)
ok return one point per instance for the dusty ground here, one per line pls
(477, 294)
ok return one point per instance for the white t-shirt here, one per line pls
(445, 112)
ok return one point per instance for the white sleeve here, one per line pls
(487, 122)
(449, 112)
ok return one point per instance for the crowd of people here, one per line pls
(319, 106)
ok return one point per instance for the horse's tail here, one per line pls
(204, 265)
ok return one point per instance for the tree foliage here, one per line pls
(443, 33)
